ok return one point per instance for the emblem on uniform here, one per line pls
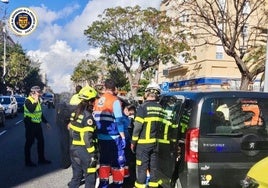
(89, 122)
(23, 21)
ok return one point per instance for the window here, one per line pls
(245, 30)
(232, 115)
(185, 17)
(219, 55)
(219, 52)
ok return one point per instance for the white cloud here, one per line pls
(62, 47)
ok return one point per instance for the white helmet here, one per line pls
(153, 88)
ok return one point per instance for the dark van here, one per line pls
(218, 137)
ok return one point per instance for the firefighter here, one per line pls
(33, 117)
(83, 140)
(149, 118)
(75, 98)
(111, 137)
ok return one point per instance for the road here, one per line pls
(13, 171)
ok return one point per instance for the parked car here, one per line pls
(10, 105)
(257, 175)
(20, 100)
(48, 99)
(2, 116)
(219, 136)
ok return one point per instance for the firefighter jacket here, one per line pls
(107, 126)
(33, 111)
(149, 118)
(82, 131)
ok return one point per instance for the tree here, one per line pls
(88, 71)
(136, 40)
(32, 78)
(118, 76)
(232, 24)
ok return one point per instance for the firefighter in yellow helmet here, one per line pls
(149, 117)
(83, 140)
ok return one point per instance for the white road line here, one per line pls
(18, 122)
(3, 132)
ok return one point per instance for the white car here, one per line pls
(10, 105)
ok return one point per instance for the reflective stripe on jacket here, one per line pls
(149, 119)
(104, 117)
(82, 131)
(36, 116)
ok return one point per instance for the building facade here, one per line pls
(212, 69)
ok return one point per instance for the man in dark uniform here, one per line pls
(33, 117)
(149, 118)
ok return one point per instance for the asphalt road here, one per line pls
(13, 172)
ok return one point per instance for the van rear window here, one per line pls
(233, 115)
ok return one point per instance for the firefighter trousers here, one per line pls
(81, 161)
(146, 160)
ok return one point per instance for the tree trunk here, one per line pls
(245, 81)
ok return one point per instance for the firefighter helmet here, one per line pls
(153, 88)
(87, 93)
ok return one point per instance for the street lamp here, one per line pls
(5, 40)
(265, 89)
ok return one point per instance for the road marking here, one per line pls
(3, 132)
(18, 122)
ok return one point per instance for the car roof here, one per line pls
(195, 95)
(5, 96)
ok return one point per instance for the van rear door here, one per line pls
(233, 136)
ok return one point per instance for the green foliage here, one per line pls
(87, 70)
(22, 73)
(136, 38)
(31, 79)
(118, 76)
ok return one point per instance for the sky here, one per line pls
(58, 42)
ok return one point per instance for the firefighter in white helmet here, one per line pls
(149, 117)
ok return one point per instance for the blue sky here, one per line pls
(58, 41)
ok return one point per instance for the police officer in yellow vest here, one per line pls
(33, 117)
(83, 140)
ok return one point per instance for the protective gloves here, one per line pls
(123, 143)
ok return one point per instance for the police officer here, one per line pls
(149, 118)
(33, 117)
(83, 140)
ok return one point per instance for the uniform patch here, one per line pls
(90, 122)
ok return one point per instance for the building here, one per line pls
(212, 69)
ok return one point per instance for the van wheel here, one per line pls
(178, 184)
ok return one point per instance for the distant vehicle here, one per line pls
(2, 116)
(10, 105)
(48, 99)
(20, 100)
(215, 138)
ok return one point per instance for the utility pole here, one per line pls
(265, 89)
(5, 40)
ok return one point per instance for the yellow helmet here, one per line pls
(87, 93)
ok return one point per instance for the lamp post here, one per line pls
(265, 89)
(5, 39)
(5, 44)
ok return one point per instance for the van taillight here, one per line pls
(191, 145)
